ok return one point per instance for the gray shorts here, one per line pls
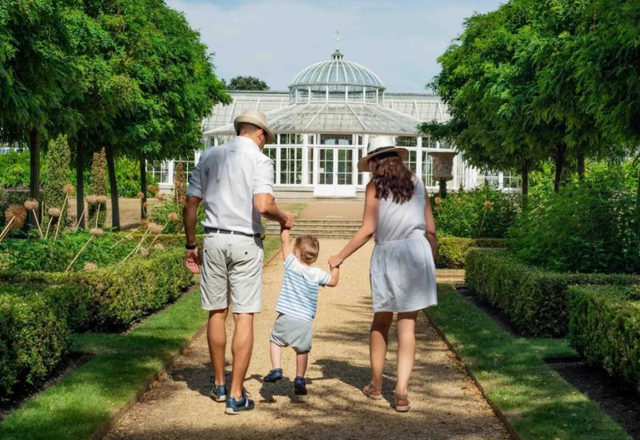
(232, 273)
(292, 331)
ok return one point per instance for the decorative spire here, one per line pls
(338, 36)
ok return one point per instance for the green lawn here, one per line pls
(293, 208)
(538, 403)
(77, 406)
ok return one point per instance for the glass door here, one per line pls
(335, 173)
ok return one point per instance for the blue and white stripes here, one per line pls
(299, 294)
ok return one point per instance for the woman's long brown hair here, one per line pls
(391, 178)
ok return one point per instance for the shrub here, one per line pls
(116, 296)
(53, 196)
(160, 214)
(14, 169)
(98, 187)
(480, 213)
(534, 300)
(128, 177)
(452, 251)
(604, 327)
(588, 227)
(180, 185)
(33, 340)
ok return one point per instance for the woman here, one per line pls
(402, 273)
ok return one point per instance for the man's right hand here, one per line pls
(288, 221)
(193, 261)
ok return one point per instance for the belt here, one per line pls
(209, 230)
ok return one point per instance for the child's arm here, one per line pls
(285, 241)
(335, 275)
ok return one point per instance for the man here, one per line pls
(235, 181)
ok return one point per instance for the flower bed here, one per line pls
(534, 300)
(604, 327)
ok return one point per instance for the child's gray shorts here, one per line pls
(292, 331)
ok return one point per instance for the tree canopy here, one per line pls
(516, 90)
(247, 83)
(128, 75)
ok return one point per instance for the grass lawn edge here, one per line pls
(528, 396)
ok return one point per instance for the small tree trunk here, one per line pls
(525, 180)
(80, 180)
(143, 186)
(34, 175)
(111, 167)
(561, 151)
(638, 201)
(581, 166)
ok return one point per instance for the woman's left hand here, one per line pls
(335, 261)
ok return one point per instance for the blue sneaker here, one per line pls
(273, 376)
(218, 392)
(300, 386)
(237, 406)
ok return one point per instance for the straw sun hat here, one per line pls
(379, 145)
(257, 118)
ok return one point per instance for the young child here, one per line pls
(297, 305)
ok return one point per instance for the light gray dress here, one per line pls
(403, 273)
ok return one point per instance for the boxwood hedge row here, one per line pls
(39, 310)
(604, 327)
(452, 251)
(534, 300)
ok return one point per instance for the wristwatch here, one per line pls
(191, 247)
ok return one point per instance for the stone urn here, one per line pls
(442, 169)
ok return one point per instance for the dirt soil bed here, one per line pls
(618, 401)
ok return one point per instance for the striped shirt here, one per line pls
(299, 293)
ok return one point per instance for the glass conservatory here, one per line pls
(323, 124)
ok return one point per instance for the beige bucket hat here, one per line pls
(378, 145)
(257, 118)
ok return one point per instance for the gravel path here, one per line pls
(447, 405)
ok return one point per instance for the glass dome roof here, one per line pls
(337, 71)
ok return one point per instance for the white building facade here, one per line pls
(323, 124)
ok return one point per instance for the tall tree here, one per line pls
(605, 59)
(170, 83)
(34, 73)
(480, 82)
(247, 83)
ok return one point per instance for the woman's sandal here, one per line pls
(402, 403)
(371, 392)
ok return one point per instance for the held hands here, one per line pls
(335, 261)
(288, 221)
(193, 261)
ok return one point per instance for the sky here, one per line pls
(273, 40)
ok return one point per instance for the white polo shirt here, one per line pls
(226, 178)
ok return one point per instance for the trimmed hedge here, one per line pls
(39, 310)
(604, 327)
(534, 300)
(113, 298)
(452, 251)
(33, 340)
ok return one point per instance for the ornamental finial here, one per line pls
(338, 37)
